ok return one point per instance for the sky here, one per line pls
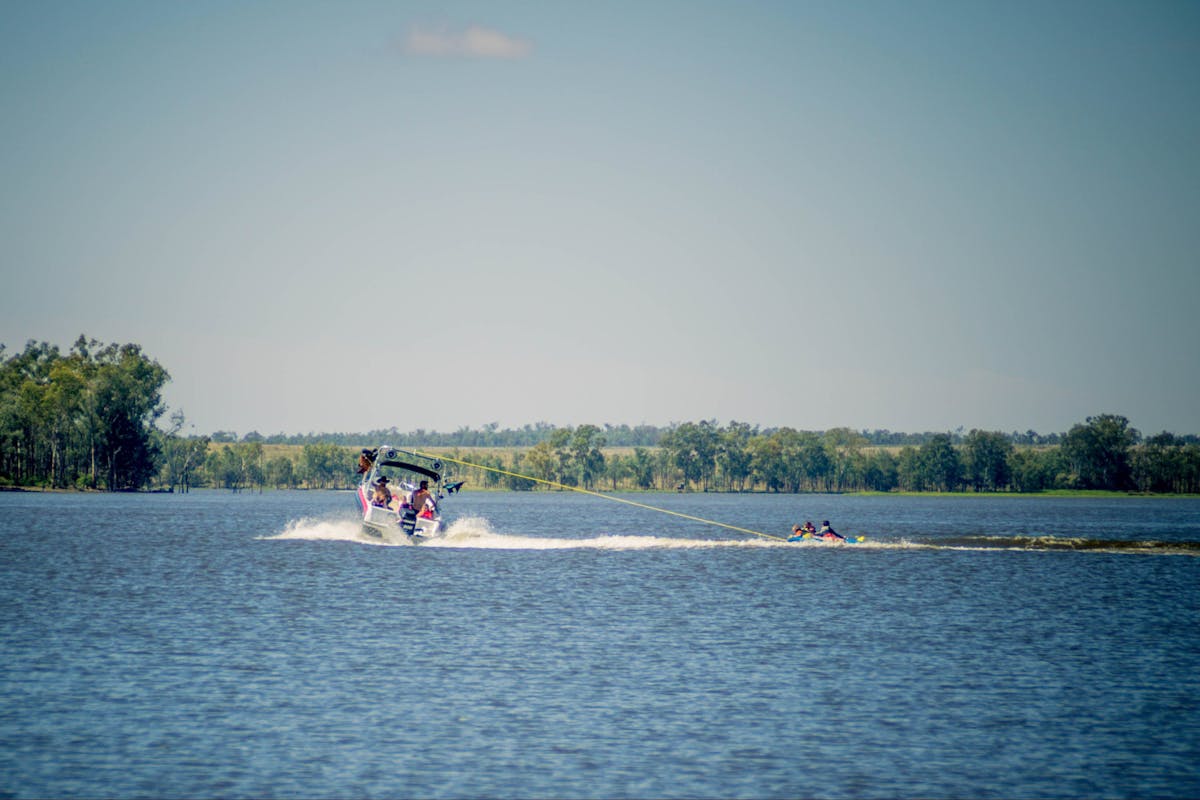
(350, 216)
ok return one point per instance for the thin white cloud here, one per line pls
(473, 42)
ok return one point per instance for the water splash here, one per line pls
(335, 530)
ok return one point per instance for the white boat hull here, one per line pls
(383, 521)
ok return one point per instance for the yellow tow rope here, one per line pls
(598, 494)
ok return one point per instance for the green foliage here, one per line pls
(328, 466)
(940, 465)
(692, 448)
(986, 460)
(87, 420)
(586, 455)
(787, 460)
(1034, 470)
(81, 420)
(1097, 452)
(182, 459)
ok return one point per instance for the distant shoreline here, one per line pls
(1049, 493)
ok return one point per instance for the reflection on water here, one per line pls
(558, 645)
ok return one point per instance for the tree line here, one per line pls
(89, 419)
(80, 420)
(492, 435)
(1103, 452)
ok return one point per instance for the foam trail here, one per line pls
(334, 530)
(476, 533)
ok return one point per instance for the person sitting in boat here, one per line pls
(380, 495)
(422, 500)
(827, 532)
(808, 527)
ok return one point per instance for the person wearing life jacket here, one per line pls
(827, 532)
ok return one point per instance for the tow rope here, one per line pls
(555, 485)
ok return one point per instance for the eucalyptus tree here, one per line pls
(493, 467)
(541, 461)
(34, 425)
(910, 472)
(618, 469)
(326, 466)
(1158, 464)
(985, 463)
(940, 463)
(881, 471)
(252, 455)
(643, 468)
(128, 399)
(791, 453)
(280, 472)
(515, 480)
(586, 453)
(65, 408)
(1035, 469)
(816, 466)
(733, 454)
(1189, 469)
(182, 457)
(560, 443)
(23, 381)
(224, 469)
(1097, 452)
(843, 447)
(693, 448)
(766, 462)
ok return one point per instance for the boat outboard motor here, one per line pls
(408, 520)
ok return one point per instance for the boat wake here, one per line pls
(476, 533)
(326, 530)
(1061, 543)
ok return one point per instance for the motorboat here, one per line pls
(401, 492)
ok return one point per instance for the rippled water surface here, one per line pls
(560, 645)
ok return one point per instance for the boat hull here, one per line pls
(380, 521)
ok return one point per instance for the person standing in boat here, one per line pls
(422, 498)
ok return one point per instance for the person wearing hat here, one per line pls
(381, 497)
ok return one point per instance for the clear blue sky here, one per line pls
(342, 216)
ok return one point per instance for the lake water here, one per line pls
(561, 645)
